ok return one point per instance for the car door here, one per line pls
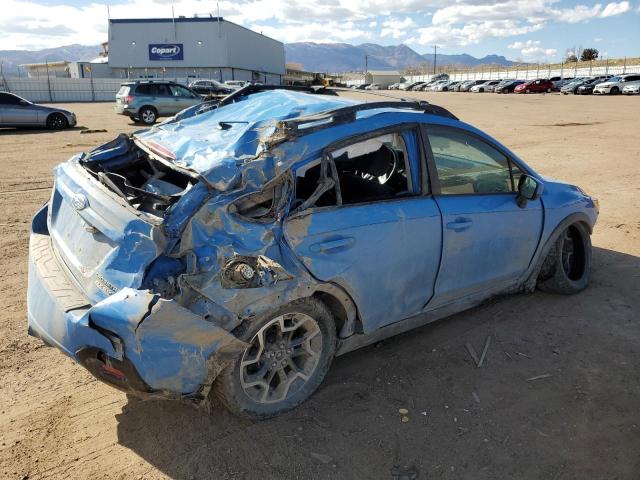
(183, 98)
(16, 112)
(375, 231)
(488, 240)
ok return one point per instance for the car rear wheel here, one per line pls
(548, 90)
(57, 121)
(567, 268)
(527, 91)
(148, 115)
(289, 352)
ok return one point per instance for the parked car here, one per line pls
(614, 85)
(540, 85)
(589, 82)
(393, 86)
(437, 86)
(466, 86)
(17, 112)
(168, 270)
(632, 88)
(417, 86)
(558, 84)
(211, 87)
(447, 86)
(485, 86)
(374, 86)
(362, 86)
(507, 86)
(147, 100)
(236, 84)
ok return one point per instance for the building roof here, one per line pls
(166, 20)
(382, 73)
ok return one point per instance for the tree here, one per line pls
(571, 57)
(589, 54)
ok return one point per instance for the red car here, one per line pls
(539, 85)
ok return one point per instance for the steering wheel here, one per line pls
(384, 178)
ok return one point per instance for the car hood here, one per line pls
(203, 142)
(42, 108)
(605, 84)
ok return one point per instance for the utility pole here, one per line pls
(366, 67)
(435, 48)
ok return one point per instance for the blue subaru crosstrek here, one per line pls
(232, 251)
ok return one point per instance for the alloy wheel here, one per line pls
(281, 358)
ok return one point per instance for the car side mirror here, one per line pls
(529, 188)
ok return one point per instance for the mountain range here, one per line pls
(11, 59)
(344, 57)
(317, 57)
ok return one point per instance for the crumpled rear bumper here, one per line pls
(133, 340)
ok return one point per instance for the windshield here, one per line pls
(615, 79)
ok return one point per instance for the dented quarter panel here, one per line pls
(170, 346)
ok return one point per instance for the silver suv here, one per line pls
(147, 100)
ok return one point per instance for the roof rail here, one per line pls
(341, 115)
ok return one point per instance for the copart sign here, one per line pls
(166, 51)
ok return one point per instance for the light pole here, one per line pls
(435, 49)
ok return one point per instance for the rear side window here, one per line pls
(8, 99)
(468, 165)
(370, 170)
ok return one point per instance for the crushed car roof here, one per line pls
(237, 130)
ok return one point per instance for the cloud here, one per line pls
(531, 50)
(396, 28)
(421, 22)
(615, 8)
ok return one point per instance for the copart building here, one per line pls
(198, 47)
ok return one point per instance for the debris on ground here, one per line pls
(96, 130)
(322, 458)
(539, 377)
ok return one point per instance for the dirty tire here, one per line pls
(567, 268)
(57, 121)
(233, 386)
(148, 115)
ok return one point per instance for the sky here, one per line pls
(526, 30)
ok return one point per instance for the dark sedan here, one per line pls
(18, 112)
(508, 87)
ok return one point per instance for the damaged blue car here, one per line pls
(232, 252)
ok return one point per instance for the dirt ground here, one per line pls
(582, 422)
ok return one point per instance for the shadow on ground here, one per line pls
(581, 421)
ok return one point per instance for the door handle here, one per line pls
(460, 224)
(332, 245)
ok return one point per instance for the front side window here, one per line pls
(468, 165)
(370, 170)
(180, 91)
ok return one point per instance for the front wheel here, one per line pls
(57, 121)
(567, 268)
(615, 91)
(548, 90)
(289, 352)
(527, 91)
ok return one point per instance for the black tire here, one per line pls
(148, 115)
(567, 268)
(548, 90)
(228, 387)
(527, 91)
(57, 121)
(615, 91)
